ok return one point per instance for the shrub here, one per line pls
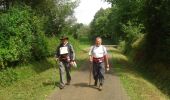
(21, 36)
(39, 43)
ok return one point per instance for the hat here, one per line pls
(63, 37)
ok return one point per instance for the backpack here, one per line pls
(94, 47)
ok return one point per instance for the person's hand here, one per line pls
(71, 63)
(107, 67)
(91, 60)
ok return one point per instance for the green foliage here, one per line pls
(157, 21)
(21, 36)
(53, 42)
(133, 32)
(121, 46)
(39, 44)
(7, 77)
(99, 23)
(142, 30)
(54, 12)
(75, 44)
(72, 29)
(84, 30)
(16, 35)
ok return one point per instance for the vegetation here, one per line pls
(25, 25)
(141, 29)
(21, 36)
(30, 31)
(29, 34)
(36, 79)
(136, 84)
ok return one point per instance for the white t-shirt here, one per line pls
(98, 51)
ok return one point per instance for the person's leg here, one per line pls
(68, 76)
(95, 75)
(62, 76)
(101, 74)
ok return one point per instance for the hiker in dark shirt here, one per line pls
(66, 56)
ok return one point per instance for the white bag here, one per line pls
(73, 64)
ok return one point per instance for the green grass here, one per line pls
(35, 82)
(137, 87)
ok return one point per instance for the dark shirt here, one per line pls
(70, 55)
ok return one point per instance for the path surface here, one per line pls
(79, 89)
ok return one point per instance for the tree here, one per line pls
(21, 37)
(54, 12)
(157, 44)
(99, 23)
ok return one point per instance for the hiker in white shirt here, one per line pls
(99, 58)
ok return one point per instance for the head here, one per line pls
(64, 39)
(98, 41)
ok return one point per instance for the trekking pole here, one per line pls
(90, 69)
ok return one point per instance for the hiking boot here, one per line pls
(68, 83)
(61, 86)
(100, 87)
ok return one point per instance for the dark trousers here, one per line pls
(98, 72)
(64, 66)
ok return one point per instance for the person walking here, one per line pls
(99, 58)
(65, 55)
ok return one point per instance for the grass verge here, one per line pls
(137, 87)
(34, 82)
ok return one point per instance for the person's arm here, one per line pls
(106, 59)
(90, 55)
(72, 53)
(90, 58)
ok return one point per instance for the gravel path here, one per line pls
(80, 90)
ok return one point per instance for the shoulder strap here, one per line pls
(103, 48)
(92, 48)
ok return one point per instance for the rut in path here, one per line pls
(80, 90)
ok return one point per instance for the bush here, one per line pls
(39, 43)
(21, 36)
(121, 46)
(133, 32)
(53, 42)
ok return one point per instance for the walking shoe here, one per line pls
(68, 83)
(61, 86)
(100, 87)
